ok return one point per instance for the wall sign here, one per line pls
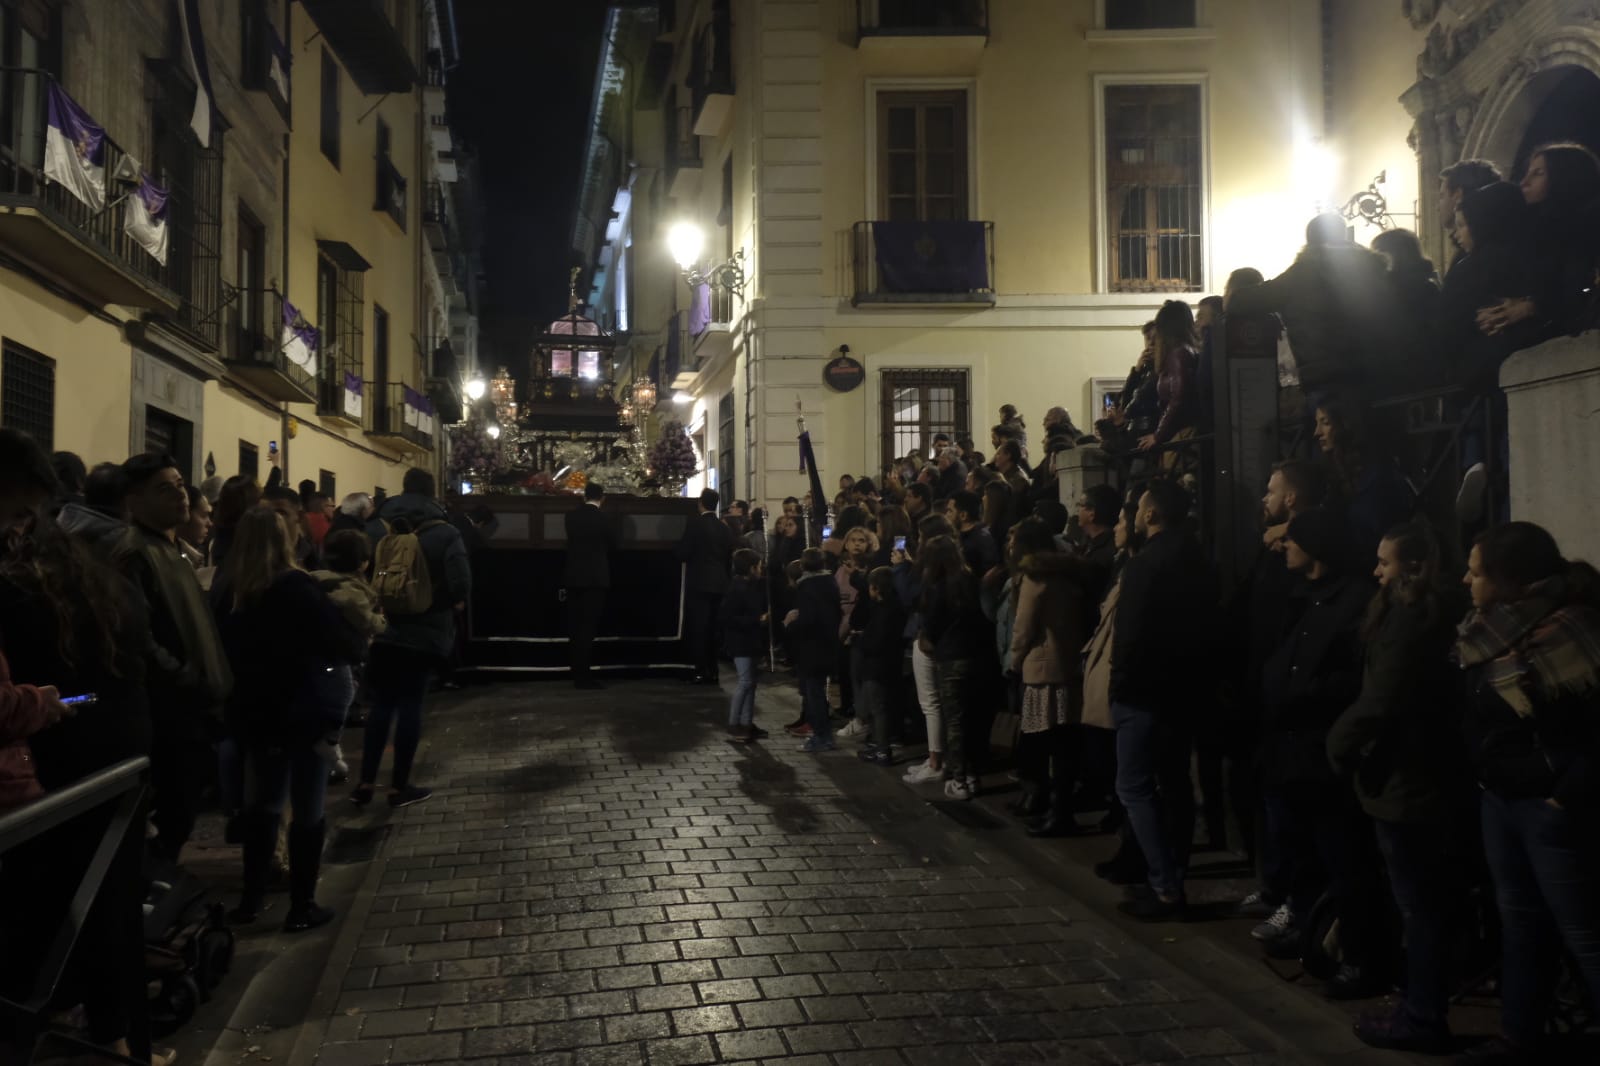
(843, 374)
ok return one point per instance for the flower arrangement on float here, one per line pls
(672, 458)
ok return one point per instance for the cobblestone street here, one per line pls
(602, 879)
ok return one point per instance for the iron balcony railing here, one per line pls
(23, 124)
(260, 343)
(923, 262)
(394, 417)
(922, 18)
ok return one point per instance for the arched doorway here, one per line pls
(1570, 111)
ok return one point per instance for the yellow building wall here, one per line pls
(94, 370)
(336, 203)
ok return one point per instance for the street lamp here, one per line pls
(687, 242)
(476, 388)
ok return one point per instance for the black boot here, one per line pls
(1034, 801)
(1058, 821)
(258, 831)
(305, 862)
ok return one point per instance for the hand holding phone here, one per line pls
(900, 544)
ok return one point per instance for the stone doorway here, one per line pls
(1566, 107)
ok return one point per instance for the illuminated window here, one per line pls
(919, 404)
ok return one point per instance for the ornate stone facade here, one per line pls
(1483, 72)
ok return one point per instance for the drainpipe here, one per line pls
(283, 416)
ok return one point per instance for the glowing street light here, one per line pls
(686, 241)
(476, 388)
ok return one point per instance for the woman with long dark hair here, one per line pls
(287, 643)
(1398, 746)
(1561, 187)
(1174, 364)
(1366, 481)
(239, 493)
(68, 622)
(1531, 652)
(955, 635)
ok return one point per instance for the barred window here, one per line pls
(192, 175)
(1153, 188)
(339, 315)
(249, 460)
(28, 393)
(917, 405)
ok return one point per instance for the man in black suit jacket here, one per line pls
(707, 548)
(590, 540)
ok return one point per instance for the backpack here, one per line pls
(400, 571)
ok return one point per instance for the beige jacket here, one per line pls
(1052, 620)
(1097, 663)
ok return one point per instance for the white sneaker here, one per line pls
(922, 773)
(1282, 920)
(854, 728)
(957, 789)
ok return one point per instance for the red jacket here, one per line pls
(22, 714)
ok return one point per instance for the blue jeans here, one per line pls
(742, 710)
(1426, 877)
(814, 702)
(1546, 867)
(292, 773)
(1153, 784)
(872, 708)
(398, 679)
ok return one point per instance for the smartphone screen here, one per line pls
(899, 544)
(272, 447)
(88, 697)
(827, 531)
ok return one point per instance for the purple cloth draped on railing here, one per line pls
(700, 310)
(931, 257)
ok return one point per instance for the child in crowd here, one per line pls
(881, 621)
(744, 636)
(813, 633)
(346, 553)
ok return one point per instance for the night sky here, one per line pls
(521, 98)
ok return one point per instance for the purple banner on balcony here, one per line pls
(74, 148)
(700, 310)
(918, 257)
(413, 398)
(279, 60)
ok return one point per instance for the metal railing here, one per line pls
(391, 417)
(23, 127)
(256, 338)
(120, 787)
(923, 262)
(391, 194)
(922, 18)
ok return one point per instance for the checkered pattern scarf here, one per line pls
(1537, 648)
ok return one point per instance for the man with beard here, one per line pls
(1261, 610)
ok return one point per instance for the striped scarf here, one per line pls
(1537, 648)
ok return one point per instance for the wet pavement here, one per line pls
(601, 879)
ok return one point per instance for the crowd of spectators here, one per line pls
(222, 631)
(1370, 738)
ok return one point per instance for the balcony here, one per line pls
(265, 352)
(433, 102)
(912, 19)
(369, 45)
(391, 197)
(58, 234)
(683, 154)
(266, 57)
(711, 73)
(946, 264)
(435, 216)
(404, 415)
(439, 133)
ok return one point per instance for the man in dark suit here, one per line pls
(590, 541)
(707, 549)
